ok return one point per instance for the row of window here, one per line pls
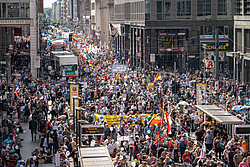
(184, 7)
(21, 9)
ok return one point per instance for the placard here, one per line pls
(57, 160)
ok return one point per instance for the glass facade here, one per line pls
(21, 9)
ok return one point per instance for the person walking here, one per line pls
(33, 128)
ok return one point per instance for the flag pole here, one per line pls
(160, 127)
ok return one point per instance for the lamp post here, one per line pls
(78, 126)
(74, 111)
(204, 46)
(8, 63)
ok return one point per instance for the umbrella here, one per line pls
(237, 108)
(183, 103)
(245, 108)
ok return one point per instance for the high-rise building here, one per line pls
(22, 15)
(172, 30)
(240, 57)
(102, 13)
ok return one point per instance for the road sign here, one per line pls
(139, 54)
(152, 58)
(119, 68)
(37, 62)
(2, 62)
(209, 63)
(74, 91)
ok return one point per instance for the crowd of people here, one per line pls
(137, 135)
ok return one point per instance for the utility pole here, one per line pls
(217, 54)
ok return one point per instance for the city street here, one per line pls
(125, 83)
(29, 145)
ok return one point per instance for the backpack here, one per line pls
(182, 143)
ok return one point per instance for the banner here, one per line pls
(110, 119)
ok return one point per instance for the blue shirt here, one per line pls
(7, 141)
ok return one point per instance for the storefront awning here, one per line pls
(219, 115)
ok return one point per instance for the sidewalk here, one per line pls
(29, 145)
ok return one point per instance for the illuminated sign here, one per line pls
(242, 130)
(92, 130)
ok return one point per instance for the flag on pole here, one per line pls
(159, 132)
(158, 77)
(75, 39)
(90, 64)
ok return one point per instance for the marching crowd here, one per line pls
(139, 136)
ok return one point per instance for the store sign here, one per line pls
(171, 34)
(171, 49)
(93, 130)
(18, 32)
(12, 22)
(209, 63)
(167, 43)
(163, 34)
(40, 10)
(223, 46)
(152, 58)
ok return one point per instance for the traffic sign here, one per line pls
(139, 54)
(152, 58)
(209, 64)
(37, 62)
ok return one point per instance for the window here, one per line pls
(159, 10)
(93, 19)
(206, 30)
(13, 9)
(167, 10)
(224, 7)
(147, 9)
(246, 7)
(203, 7)
(184, 8)
(247, 40)
(24, 9)
(4, 9)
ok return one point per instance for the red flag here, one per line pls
(17, 96)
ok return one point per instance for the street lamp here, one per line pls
(204, 46)
(74, 111)
(78, 124)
